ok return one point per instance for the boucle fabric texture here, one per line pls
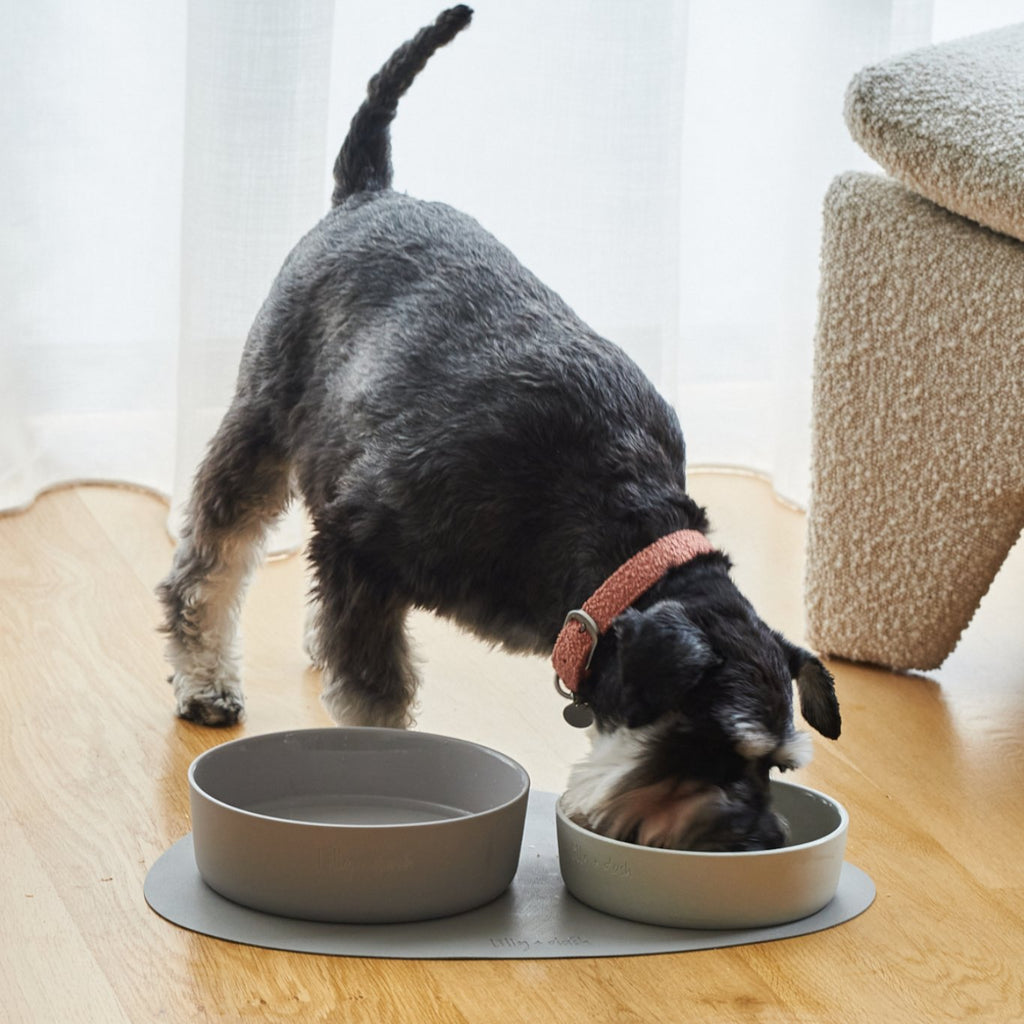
(948, 121)
(918, 424)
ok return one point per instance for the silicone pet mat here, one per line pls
(535, 918)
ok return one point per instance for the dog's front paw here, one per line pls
(357, 709)
(207, 704)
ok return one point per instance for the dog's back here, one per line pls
(448, 411)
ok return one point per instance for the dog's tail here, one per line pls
(364, 163)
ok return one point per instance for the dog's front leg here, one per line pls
(356, 634)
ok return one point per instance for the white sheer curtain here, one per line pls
(660, 163)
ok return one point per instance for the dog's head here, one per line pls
(693, 707)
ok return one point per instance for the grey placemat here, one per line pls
(535, 918)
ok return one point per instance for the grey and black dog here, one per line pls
(464, 443)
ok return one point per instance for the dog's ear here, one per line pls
(661, 653)
(817, 689)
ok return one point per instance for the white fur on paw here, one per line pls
(356, 712)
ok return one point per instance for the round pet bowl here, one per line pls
(357, 825)
(685, 889)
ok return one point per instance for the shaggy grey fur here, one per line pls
(463, 443)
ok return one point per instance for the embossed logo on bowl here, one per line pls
(608, 864)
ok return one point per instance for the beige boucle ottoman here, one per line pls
(918, 418)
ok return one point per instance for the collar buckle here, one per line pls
(587, 625)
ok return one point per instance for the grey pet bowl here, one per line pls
(685, 889)
(357, 825)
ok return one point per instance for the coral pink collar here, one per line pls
(577, 641)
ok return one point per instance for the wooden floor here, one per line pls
(93, 763)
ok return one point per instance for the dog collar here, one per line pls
(578, 638)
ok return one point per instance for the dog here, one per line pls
(464, 443)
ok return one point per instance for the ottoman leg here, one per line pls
(917, 488)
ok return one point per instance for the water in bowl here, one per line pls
(356, 809)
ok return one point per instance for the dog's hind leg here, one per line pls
(241, 487)
(360, 642)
